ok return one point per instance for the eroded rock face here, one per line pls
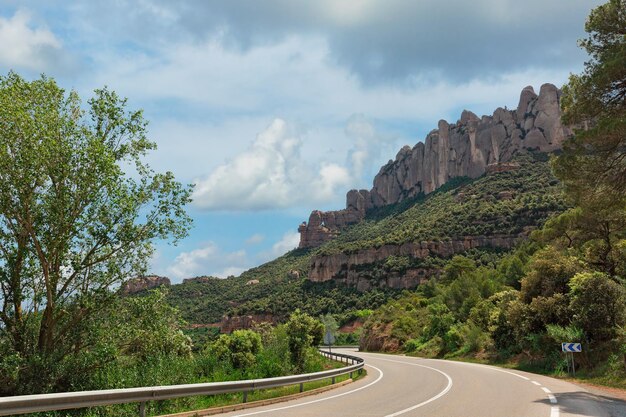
(468, 148)
(138, 284)
(344, 268)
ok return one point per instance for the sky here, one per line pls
(275, 108)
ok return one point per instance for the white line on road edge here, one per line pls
(441, 394)
(493, 368)
(380, 376)
(554, 410)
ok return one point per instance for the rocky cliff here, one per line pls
(468, 148)
(345, 268)
(138, 284)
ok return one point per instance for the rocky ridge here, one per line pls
(344, 267)
(468, 148)
(138, 284)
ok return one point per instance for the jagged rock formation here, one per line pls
(344, 267)
(138, 284)
(468, 148)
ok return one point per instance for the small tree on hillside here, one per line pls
(303, 332)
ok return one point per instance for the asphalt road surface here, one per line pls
(409, 387)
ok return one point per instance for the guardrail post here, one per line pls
(301, 387)
(142, 409)
(333, 381)
(245, 396)
(350, 375)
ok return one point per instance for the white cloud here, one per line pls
(25, 47)
(289, 241)
(270, 174)
(208, 260)
(255, 239)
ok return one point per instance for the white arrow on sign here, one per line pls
(571, 347)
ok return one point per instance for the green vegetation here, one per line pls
(278, 293)
(137, 342)
(463, 208)
(569, 283)
(73, 226)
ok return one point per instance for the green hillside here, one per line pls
(464, 207)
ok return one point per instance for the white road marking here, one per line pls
(493, 368)
(380, 376)
(554, 410)
(441, 394)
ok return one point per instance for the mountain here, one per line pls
(476, 188)
(468, 148)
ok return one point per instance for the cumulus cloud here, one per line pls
(289, 241)
(26, 47)
(209, 260)
(270, 174)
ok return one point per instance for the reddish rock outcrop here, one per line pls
(138, 284)
(343, 267)
(468, 148)
(323, 226)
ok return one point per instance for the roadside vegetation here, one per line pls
(569, 283)
(79, 212)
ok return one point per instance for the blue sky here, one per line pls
(275, 108)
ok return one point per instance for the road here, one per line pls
(410, 387)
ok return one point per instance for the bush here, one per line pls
(239, 348)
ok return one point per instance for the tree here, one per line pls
(599, 305)
(596, 233)
(458, 266)
(593, 165)
(239, 348)
(549, 273)
(79, 210)
(303, 332)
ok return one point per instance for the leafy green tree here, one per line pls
(79, 210)
(144, 327)
(598, 304)
(239, 348)
(549, 272)
(303, 332)
(457, 266)
(593, 165)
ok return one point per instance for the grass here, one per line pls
(223, 400)
(601, 377)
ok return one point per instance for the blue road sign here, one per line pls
(571, 347)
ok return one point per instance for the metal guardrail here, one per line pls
(24, 404)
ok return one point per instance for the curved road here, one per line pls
(410, 387)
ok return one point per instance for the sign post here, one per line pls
(329, 339)
(571, 348)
